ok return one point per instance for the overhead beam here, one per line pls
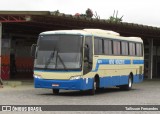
(14, 18)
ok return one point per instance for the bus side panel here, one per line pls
(87, 83)
(113, 81)
(137, 78)
(124, 80)
(79, 84)
(105, 81)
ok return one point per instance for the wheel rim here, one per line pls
(130, 83)
(94, 85)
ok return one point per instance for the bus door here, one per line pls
(88, 55)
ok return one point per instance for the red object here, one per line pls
(77, 14)
(5, 59)
(24, 64)
(5, 72)
(14, 18)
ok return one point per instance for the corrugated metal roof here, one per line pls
(67, 21)
(54, 14)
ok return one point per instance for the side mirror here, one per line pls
(33, 50)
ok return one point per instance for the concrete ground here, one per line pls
(146, 93)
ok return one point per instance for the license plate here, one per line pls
(55, 85)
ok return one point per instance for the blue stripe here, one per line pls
(115, 61)
(138, 61)
(111, 62)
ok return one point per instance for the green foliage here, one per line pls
(115, 18)
(96, 15)
(56, 12)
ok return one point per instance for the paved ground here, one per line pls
(146, 93)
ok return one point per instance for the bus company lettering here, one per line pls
(111, 61)
(116, 61)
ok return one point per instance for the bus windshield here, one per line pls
(59, 51)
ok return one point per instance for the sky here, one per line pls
(144, 12)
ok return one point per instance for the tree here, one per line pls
(89, 13)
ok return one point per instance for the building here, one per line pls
(20, 29)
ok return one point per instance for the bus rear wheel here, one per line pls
(55, 91)
(129, 85)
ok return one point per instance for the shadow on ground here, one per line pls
(86, 93)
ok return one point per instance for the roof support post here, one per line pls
(150, 62)
(156, 62)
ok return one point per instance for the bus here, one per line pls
(87, 60)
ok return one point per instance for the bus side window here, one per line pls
(116, 47)
(138, 49)
(107, 47)
(98, 47)
(132, 48)
(124, 48)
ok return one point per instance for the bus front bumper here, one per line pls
(78, 84)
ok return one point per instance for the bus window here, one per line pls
(124, 48)
(138, 49)
(98, 46)
(116, 48)
(132, 48)
(107, 47)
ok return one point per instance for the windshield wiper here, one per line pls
(49, 59)
(58, 56)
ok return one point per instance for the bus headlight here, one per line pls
(37, 76)
(75, 77)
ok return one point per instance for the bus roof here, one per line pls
(95, 32)
(76, 32)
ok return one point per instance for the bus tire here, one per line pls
(129, 85)
(55, 91)
(94, 87)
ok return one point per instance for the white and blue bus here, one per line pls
(87, 59)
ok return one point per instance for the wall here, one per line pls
(0, 45)
(22, 64)
(156, 61)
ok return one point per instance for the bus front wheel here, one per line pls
(94, 87)
(55, 91)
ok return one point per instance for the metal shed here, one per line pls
(19, 29)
